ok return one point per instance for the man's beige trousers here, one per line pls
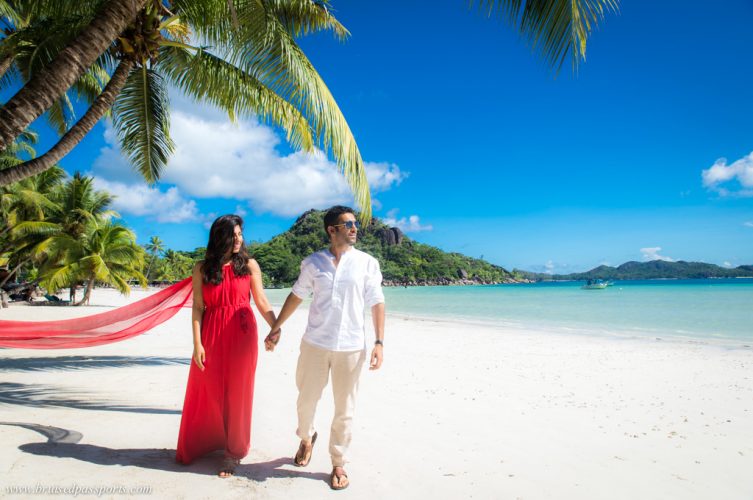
(312, 374)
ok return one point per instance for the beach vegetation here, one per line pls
(154, 248)
(105, 253)
(59, 233)
(403, 261)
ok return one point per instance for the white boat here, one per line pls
(595, 285)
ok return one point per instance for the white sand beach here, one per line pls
(456, 411)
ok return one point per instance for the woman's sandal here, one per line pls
(301, 458)
(228, 466)
(342, 480)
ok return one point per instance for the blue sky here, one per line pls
(473, 145)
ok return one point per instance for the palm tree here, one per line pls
(105, 253)
(257, 68)
(52, 81)
(27, 200)
(155, 247)
(78, 208)
(178, 266)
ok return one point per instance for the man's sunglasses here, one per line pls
(349, 224)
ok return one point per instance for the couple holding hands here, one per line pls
(219, 396)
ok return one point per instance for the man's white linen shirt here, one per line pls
(337, 312)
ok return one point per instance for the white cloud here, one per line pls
(719, 176)
(142, 200)
(727, 265)
(411, 224)
(382, 176)
(215, 158)
(748, 223)
(652, 253)
(549, 267)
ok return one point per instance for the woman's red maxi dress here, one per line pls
(219, 400)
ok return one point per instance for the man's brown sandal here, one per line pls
(228, 466)
(302, 458)
(342, 480)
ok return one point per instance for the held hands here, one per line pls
(199, 356)
(272, 339)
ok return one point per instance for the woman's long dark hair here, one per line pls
(221, 240)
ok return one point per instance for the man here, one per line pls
(343, 281)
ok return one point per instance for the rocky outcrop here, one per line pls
(390, 236)
(450, 282)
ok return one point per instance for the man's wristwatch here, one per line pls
(378, 342)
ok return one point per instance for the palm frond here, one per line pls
(35, 228)
(264, 46)
(9, 12)
(174, 29)
(553, 27)
(90, 84)
(303, 17)
(11, 75)
(207, 77)
(54, 276)
(141, 119)
(61, 114)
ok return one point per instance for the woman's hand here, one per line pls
(199, 356)
(272, 339)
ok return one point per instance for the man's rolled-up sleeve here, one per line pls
(373, 290)
(304, 285)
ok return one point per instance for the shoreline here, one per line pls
(547, 327)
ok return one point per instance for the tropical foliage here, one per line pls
(402, 260)
(406, 262)
(59, 233)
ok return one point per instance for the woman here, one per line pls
(219, 396)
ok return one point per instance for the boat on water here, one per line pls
(595, 285)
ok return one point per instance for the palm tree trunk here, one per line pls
(87, 293)
(49, 84)
(14, 271)
(3, 295)
(149, 267)
(76, 133)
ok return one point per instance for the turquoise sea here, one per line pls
(700, 310)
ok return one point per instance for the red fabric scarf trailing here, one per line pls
(103, 328)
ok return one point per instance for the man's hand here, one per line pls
(376, 357)
(199, 356)
(272, 339)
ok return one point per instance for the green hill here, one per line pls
(655, 269)
(403, 261)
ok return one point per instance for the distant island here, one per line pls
(655, 269)
(404, 262)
